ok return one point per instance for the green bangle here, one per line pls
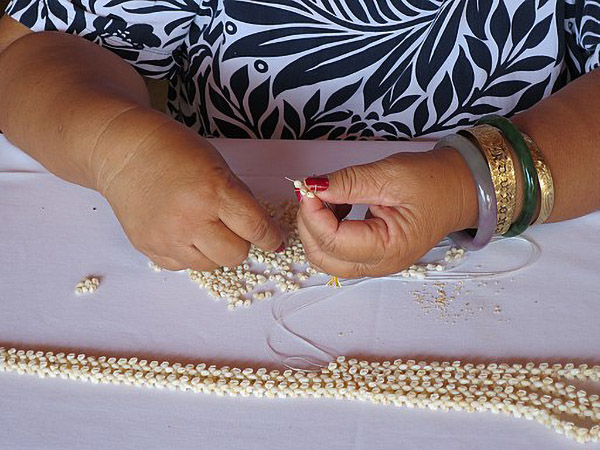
(530, 191)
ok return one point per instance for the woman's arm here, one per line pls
(419, 198)
(10, 31)
(84, 113)
(60, 97)
(566, 126)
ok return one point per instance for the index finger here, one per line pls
(242, 214)
(363, 241)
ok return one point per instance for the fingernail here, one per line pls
(298, 194)
(317, 183)
(281, 248)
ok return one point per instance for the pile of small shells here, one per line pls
(247, 282)
(87, 285)
(534, 391)
(420, 270)
(454, 253)
(256, 278)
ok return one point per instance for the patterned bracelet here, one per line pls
(492, 145)
(545, 182)
(530, 188)
(486, 197)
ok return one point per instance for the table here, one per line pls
(53, 233)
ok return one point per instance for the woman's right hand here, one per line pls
(180, 204)
(84, 114)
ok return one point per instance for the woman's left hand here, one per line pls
(415, 199)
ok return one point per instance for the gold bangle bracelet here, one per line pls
(494, 148)
(544, 179)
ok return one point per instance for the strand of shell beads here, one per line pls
(532, 391)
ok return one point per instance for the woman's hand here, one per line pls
(415, 200)
(180, 204)
(92, 124)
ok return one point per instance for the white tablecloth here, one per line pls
(54, 233)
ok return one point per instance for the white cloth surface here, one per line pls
(54, 233)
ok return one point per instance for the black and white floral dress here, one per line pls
(338, 69)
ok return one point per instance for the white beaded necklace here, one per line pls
(533, 391)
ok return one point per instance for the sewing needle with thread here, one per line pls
(305, 190)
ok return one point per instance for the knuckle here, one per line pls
(327, 243)
(366, 179)
(227, 178)
(223, 181)
(316, 243)
(313, 253)
(182, 198)
(142, 243)
(348, 179)
(261, 228)
(237, 257)
(166, 232)
(385, 181)
(397, 179)
(316, 259)
(315, 247)
(204, 266)
(185, 201)
(223, 176)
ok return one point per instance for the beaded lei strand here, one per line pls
(534, 391)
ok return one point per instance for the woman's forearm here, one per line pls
(66, 101)
(566, 126)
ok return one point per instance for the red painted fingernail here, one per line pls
(298, 194)
(281, 248)
(317, 183)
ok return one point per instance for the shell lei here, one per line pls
(537, 392)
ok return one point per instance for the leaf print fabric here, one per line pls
(145, 33)
(338, 69)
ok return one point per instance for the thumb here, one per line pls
(353, 184)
